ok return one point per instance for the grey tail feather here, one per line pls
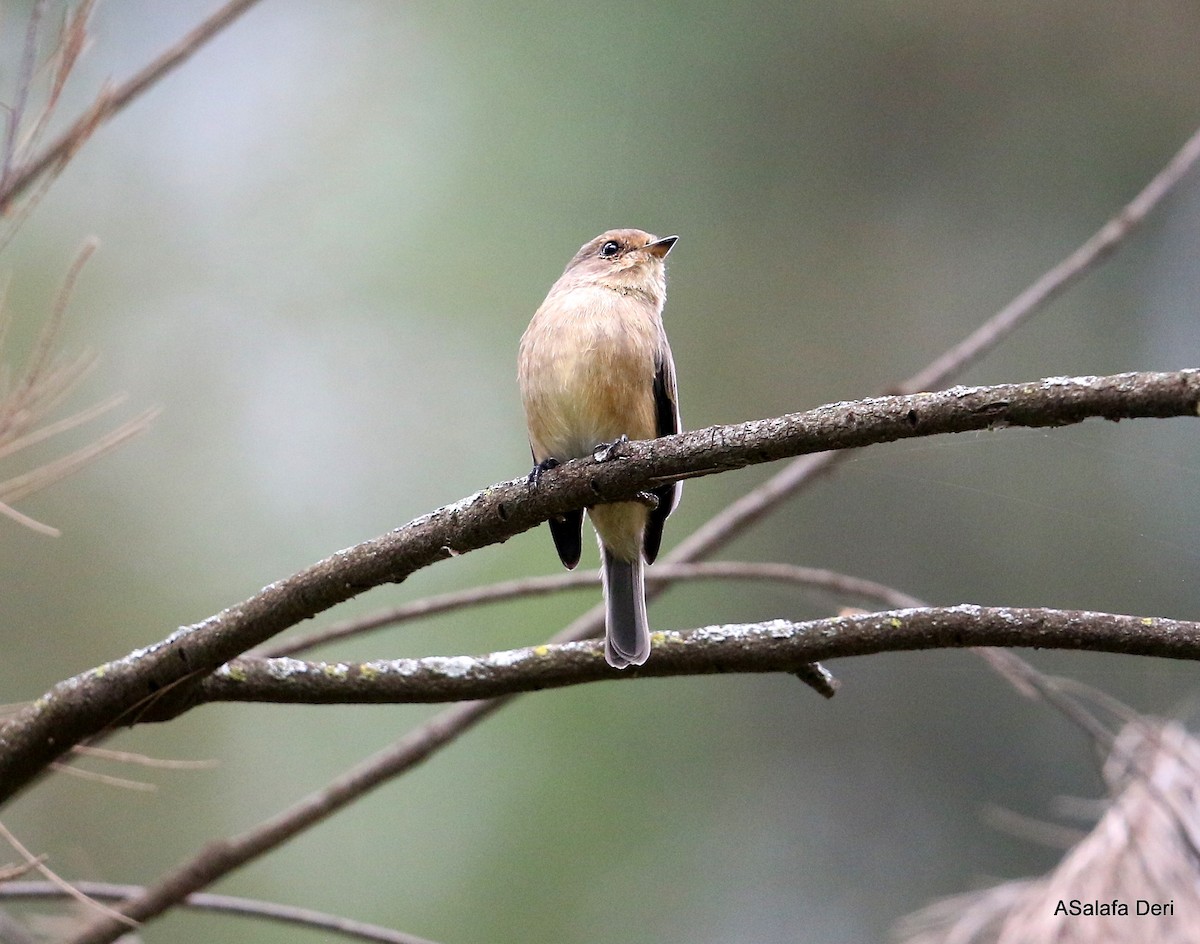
(626, 632)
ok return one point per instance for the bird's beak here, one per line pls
(660, 247)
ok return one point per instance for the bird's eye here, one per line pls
(609, 249)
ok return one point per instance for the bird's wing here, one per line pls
(666, 407)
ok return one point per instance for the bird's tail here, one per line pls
(626, 632)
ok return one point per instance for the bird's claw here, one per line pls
(607, 451)
(535, 476)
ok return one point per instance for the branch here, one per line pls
(221, 856)
(755, 505)
(115, 692)
(812, 577)
(1052, 283)
(44, 381)
(112, 100)
(226, 904)
(38, 864)
(774, 646)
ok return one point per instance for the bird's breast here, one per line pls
(587, 366)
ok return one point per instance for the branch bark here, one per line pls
(116, 692)
(815, 578)
(774, 646)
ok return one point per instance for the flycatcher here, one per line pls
(594, 369)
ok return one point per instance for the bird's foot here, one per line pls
(607, 451)
(535, 477)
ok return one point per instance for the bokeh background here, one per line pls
(321, 240)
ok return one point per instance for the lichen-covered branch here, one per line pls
(775, 646)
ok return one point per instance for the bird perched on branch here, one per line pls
(595, 369)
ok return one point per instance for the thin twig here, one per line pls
(811, 577)
(47, 379)
(16, 112)
(1020, 826)
(228, 904)
(110, 101)
(223, 856)
(41, 386)
(124, 783)
(109, 914)
(73, 40)
(64, 425)
(753, 506)
(25, 521)
(21, 486)
(10, 872)
(1103, 242)
(143, 760)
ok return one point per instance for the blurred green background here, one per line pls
(321, 240)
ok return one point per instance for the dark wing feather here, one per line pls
(666, 406)
(567, 531)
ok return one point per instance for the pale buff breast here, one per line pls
(586, 371)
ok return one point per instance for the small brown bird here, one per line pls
(595, 368)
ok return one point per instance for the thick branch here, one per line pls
(115, 692)
(775, 646)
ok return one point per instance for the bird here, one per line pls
(594, 370)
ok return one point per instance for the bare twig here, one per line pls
(811, 577)
(753, 506)
(223, 856)
(1039, 831)
(227, 904)
(16, 111)
(10, 872)
(64, 425)
(109, 914)
(21, 486)
(27, 522)
(108, 780)
(46, 380)
(125, 757)
(110, 101)
(1103, 242)
(72, 42)
(143, 760)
